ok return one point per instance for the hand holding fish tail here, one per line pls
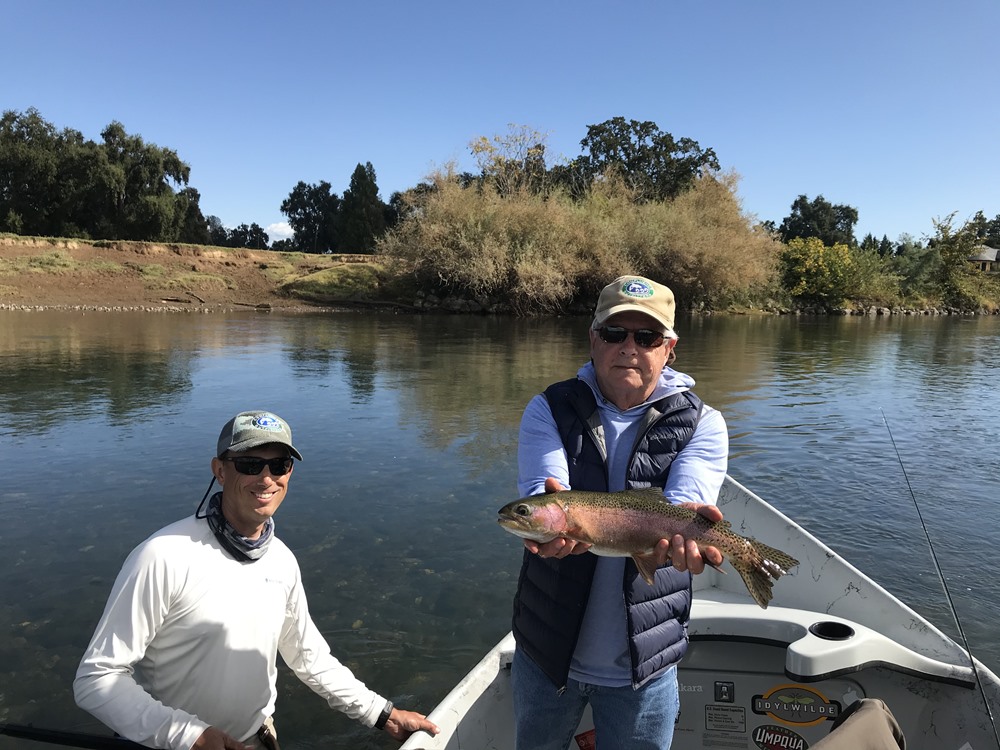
(687, 554)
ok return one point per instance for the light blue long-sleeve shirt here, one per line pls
(696, 475)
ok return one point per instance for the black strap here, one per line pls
(384, 716)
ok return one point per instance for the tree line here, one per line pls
(537, 236)
(822, 263)
(56, 183)
(659, 204)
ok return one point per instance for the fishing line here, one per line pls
(944, 583)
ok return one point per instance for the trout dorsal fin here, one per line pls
(650, 490)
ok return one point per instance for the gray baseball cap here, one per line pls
(252, 429)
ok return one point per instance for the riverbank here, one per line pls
(52, 273)
(41, 273)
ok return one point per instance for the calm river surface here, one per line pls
(408, 426)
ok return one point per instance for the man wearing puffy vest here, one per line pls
(589, 630)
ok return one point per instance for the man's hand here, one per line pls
(684, 553)
(559, 547)
(401, 724)
(215, 739)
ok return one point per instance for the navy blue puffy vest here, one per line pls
(552, 594)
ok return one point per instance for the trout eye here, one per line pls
(522, 510)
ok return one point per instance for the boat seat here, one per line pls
(817, 647)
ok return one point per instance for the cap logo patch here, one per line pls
(268, 422)
(637, 288)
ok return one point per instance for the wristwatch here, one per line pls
(384, 716)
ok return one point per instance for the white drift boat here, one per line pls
(776, 677)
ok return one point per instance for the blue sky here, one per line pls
(889, 106)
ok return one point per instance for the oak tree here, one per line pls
(829, 223)
(313, 214)
(654, 164)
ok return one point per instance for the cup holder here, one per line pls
(832, 631)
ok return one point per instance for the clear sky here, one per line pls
(890, 106)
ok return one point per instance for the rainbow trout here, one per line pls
(630, 523)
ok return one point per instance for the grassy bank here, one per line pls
(488, 257)
(52, 271)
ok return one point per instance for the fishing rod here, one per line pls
(71, 739)
(944, 583)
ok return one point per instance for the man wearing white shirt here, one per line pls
(184, 655)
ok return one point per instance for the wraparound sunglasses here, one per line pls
(252, 465)
(644, 337)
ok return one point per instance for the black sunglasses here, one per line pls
(644, 337)
(252, 465)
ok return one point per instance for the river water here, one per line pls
(408, 426)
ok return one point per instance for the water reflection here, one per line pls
(409, 427)
(72, 369)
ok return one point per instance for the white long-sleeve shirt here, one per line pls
(189, 639)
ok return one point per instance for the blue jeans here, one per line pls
(624, 719)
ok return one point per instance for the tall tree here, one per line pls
(193, 225)
(143, 178)
(977, 225)
(362, 212)
(832, 224)
(652, 162)
(252, 236)
(986, 231)
(954, 245)
(313, 213)
(77, 206)
(217, 234)
(29, 169)
(57, 183)
(918, 266)
(992, 236)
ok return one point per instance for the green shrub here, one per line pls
(817, 274)
(56, 261)
(197, 280)
(355, 281)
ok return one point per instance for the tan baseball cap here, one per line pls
(639, 294)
